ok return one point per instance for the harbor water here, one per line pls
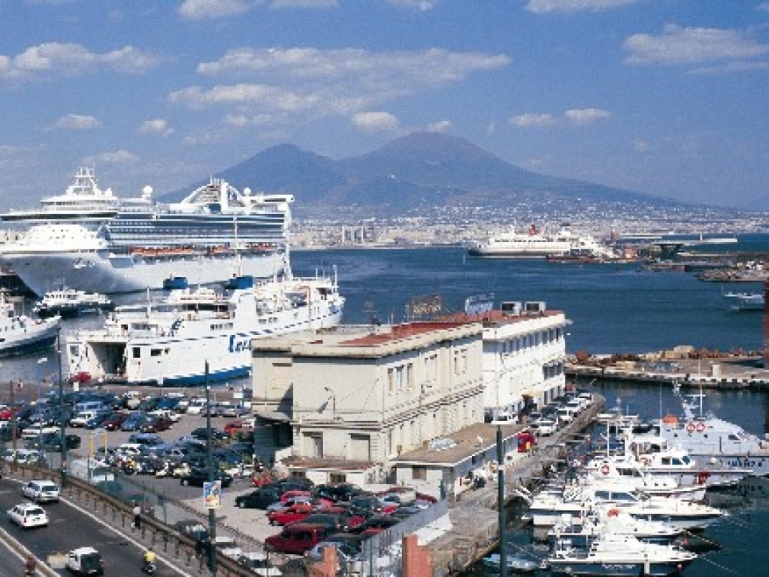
(612, 309)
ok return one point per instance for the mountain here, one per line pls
(417, 174)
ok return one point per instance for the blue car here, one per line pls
(134, 422)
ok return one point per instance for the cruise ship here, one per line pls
(89, 239)
(538, 244)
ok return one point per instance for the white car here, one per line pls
(28, 515)
(37, 430)
(41, 491)
(85, 561)
(544, 427)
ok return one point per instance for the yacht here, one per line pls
(69, 303)
(95, 241)
(582, 530)
(20, 334)
(166, 341)
(741, 301)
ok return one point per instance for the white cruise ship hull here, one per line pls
(109, 273)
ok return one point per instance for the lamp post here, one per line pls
(210, 466)
(38, 370)
(62, 419)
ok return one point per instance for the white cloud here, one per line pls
(545, 6)
(115, 157)
(586, 115)
(763, 7)
(57, 59)
(532, 120)
(154, 127)
(202, 9)
(677, 45)
(440, 126)
(76, 122)
(318, 83)
(421, 5)
(375, 121)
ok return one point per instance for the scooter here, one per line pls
(149, 568)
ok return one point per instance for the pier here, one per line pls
(474, 515)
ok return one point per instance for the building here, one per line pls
(368, 394)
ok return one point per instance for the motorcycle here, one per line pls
(149, 568)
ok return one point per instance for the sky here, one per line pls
(665, 97)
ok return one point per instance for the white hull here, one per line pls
(109, 273)
(170, 344)
(21, 334)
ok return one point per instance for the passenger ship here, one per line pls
(97, 242)
(538, 244)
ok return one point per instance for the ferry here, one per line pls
(538, 244)
(742, 301)
(168, 342)
(69, 303)
(95, 241)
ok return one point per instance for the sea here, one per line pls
(611, 308)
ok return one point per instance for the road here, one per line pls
(71, 527)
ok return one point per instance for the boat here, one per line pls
(515, 563)
(612, 554)
(547, 507)
(623, 471)
(95, 241)
(166, 341)
(69, 303)
(707, 437)
(538, 244)
(20, 334)
(744, 301)
(583, 529)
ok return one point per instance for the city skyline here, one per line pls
(663, 97)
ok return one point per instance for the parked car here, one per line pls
(85, 561)
(28, 515)
(197, 477)
(290, 514)
(216, 435)
(156, 424)
(297, 538)
(41, 491)
(114, 420)
(337, 492)
(134, 422)
(259, 498)
(193, 529)
(544, 427)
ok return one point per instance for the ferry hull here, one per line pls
(36, 338)
(619, 567)
(109, 273)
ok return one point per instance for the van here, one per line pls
(196, 406)
(82, 417)
(90, 406)
(298, 538)
(565, 414)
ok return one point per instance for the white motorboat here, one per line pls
(518, 564)
(613, 554)
(707, 437)
(546, 508)
(69, 302)
(167, 342)
(20, 334)
(742, 301)
(95, 241)
(620, 471)
(582, 530)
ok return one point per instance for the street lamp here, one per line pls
(210, 466)
(62, 419)
(39, 378)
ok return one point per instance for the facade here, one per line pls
(368, 395)
(524, 356)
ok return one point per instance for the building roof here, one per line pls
(467, 442)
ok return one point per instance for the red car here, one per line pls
(113, 422)
(234, 427)
(297, 538)
(291, 514)
(156, 424)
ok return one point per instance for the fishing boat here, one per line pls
(165, 342)
(538, 244)
(742, 301)
(20, 334)
(98, 242)
(612, 554)
(515, 563)
(69, 303)
(709, 438)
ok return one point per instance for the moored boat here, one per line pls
(743, 301)
(20, 334)
(515, 563)
(69, 302)
(166, 342)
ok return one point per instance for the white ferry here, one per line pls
(97, 242)
(68, 303)
(538, 244)
(167, 342)
(20, 334)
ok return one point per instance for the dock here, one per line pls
(474, 516)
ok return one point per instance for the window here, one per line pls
(391, 380)
(410, 375)
(419, 473)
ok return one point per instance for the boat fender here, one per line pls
(702, 477)
(613, 512)
(690, 427)
(700, 427)
(605, 469)
(645, 461)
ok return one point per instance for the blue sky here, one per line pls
(667, 97)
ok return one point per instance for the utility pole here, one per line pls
(210, 467)
(501, 505)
